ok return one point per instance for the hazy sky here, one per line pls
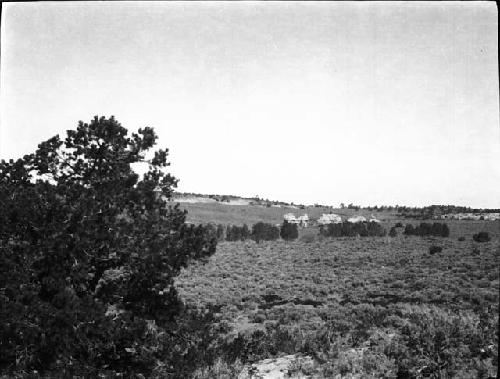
(328, 102)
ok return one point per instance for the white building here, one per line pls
(290, 218)
(330, 218)
(356, 219)
(491, 216)
(303, 220)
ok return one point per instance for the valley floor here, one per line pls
(374, 307)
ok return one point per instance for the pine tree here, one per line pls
(289, 231)
(89, 252)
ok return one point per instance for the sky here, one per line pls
(371, 103)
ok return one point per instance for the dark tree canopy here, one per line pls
(262, 231)
(426, 229)
(237, 233)
(88, 253)
(347, 229)
(289, 231)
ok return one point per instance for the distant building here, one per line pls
(330, 218)
(472, 216)
(303, 220)
(491, 216)
(356, 219)
(290, 218)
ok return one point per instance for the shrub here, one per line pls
(289, 231)
(245, 232)
(435, 249)
(481, 237)
(440, 229)
(331, 230)
(220, 369)
(221, 232)
(237, 233)
(398, 225)
(393, 232)
(461, 239)
(262, 231)
(211, 230)
(438, 336)
(409, 229)
(307, 238)
(232, 234)
(426, 229)
(375, 229)
(348, 229)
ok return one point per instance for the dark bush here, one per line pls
(375, 229)
(481, 237)
(426, 229)
(331, 230)
(211, 230)
(245, 232)
(440, 229)
(409, 230)
(232, 233)
(393, 232)
(348, 229)
(237, 233)
(398, 225)
(435, 249)
(461, 239)
(262, 231)
(289, 231)
(221, 232)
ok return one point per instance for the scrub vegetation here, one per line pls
(373, 306)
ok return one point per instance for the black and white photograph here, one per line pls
(249, 189)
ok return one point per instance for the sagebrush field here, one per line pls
(372, 307)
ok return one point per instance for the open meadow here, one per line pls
(371, 307)
(218, 212)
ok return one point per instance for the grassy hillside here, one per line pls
(250, 214)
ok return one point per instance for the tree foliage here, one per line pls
(436, 229)
(237, 233)
(481, 237)
(88, 253)
(348, 229)
(393, 232)
(433, 249)
(289, 231)
(262, 231)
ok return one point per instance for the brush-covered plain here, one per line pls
(362, 307)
